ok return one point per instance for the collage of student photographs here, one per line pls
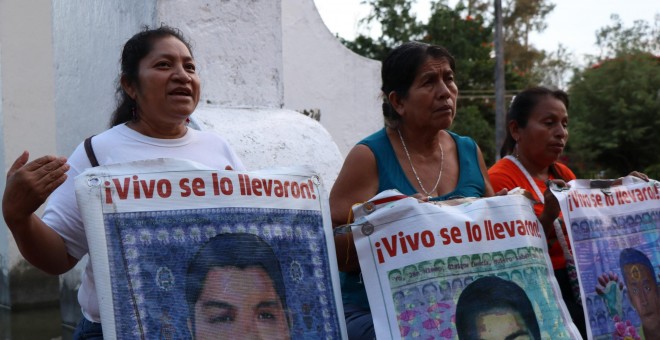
(330, 169)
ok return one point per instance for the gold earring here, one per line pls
(517, 154)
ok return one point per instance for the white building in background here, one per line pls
(260, 61)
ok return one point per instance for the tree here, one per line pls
(475, 8)
(397, 25)
(614, 116)
(470, 39)
(520, 19)
(467, 31)
(446, 25)
(556, 68)
(615, 104)
(616, 39)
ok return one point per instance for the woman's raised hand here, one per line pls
(551, 208)
(29, 185)
(637, 174)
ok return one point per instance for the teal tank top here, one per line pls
(391, 176)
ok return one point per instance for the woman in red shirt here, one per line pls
(536, 136)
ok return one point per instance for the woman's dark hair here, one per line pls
(136, 48)
(521, 108)
(400, 68)
(487, 294)
(239, 250)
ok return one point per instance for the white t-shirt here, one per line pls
(118, 145)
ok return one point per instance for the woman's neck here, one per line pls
(419, 142)
(158, 131)
(536, 170)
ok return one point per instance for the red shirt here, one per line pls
(505, 174)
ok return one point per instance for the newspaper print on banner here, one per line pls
(615, 235)
(179, 249)
(450, 272)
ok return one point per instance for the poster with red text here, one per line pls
(181, 251)
(615, 237)
(458, 271)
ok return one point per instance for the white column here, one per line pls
(28, 123)
(321, 73)
(238, 48)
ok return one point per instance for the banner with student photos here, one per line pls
(615, 237)
(443, 271)
(181, 251)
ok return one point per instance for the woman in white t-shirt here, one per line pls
(158, 90)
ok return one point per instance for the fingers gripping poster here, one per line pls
(180, 251)
(469, 271)
(615, 234)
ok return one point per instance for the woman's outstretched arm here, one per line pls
(28, 186)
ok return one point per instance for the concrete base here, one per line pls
(29, 304)
(36, 323)
(268, 138)
(69, 284)
(30, 288)
(5, 300)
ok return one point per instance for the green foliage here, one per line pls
(469, 39)
(467, 32)
(614, 116)
(614, 105)
(617, 39)
(397, 24)
(555, 68)
(520, 19)
(470, 122)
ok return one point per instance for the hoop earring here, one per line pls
(517, 152)
(134, 114)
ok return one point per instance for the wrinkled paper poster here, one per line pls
(451, 272)
(181, 251)
(615, 235)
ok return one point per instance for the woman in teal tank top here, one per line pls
(414, 153)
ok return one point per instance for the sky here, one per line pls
(573, 23)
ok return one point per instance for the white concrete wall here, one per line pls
(271, 138)
(320, 73)
(87, 40)
(27, 90)
(59, 62)
(238, 48)
(4, 232)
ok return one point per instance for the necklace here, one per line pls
(442, 162)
